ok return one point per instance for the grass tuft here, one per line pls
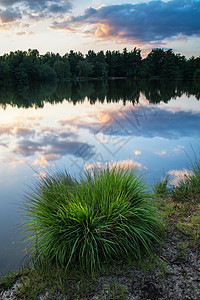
(107, 214)
(188, 189)
(161, 187)
(9, 279)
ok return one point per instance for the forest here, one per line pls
(30, 66)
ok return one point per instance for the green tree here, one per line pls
(114, 62)
(62, 69)
(85, 68)
(46, 73)
(74, 58)
(154, 62)
(133, 63)
(4, 71)
(32, 63)
(169, 68)
(101, 67)
(191, 66)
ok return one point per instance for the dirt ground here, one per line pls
(175, 275)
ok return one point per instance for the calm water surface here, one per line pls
(152, 126)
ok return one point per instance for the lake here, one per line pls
(152, 126)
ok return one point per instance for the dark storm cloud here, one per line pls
(145, 22)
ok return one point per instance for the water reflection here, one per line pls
(124, 110)
(154, 91)
(148, 125)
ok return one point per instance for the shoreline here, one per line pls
(173, 273)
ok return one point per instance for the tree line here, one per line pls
(30, 66)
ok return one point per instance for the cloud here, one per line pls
(178, 148)
(38, 5)
(36, 9)
(16, 128)
(161, 153)
(52, 147)
(27, 148)
(7, 3)
(9, 15)
(20, 33)
(14, 161)
(47, 144)
(179, 175)
(144, 22)
(137, 152)
(55, 8)
(22, 131)
(44, 159)
(3, 145)
(75, 148)
(129, 163)
(125, 164)
(6, 130)
(142, 121)
(55, 150)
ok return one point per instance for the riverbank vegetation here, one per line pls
(30, 66)
(176, 259)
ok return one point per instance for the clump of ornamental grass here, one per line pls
(106, 214)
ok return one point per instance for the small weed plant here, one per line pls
(106, 214)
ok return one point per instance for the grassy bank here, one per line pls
(131, 268)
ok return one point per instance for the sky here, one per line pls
(62, 25)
